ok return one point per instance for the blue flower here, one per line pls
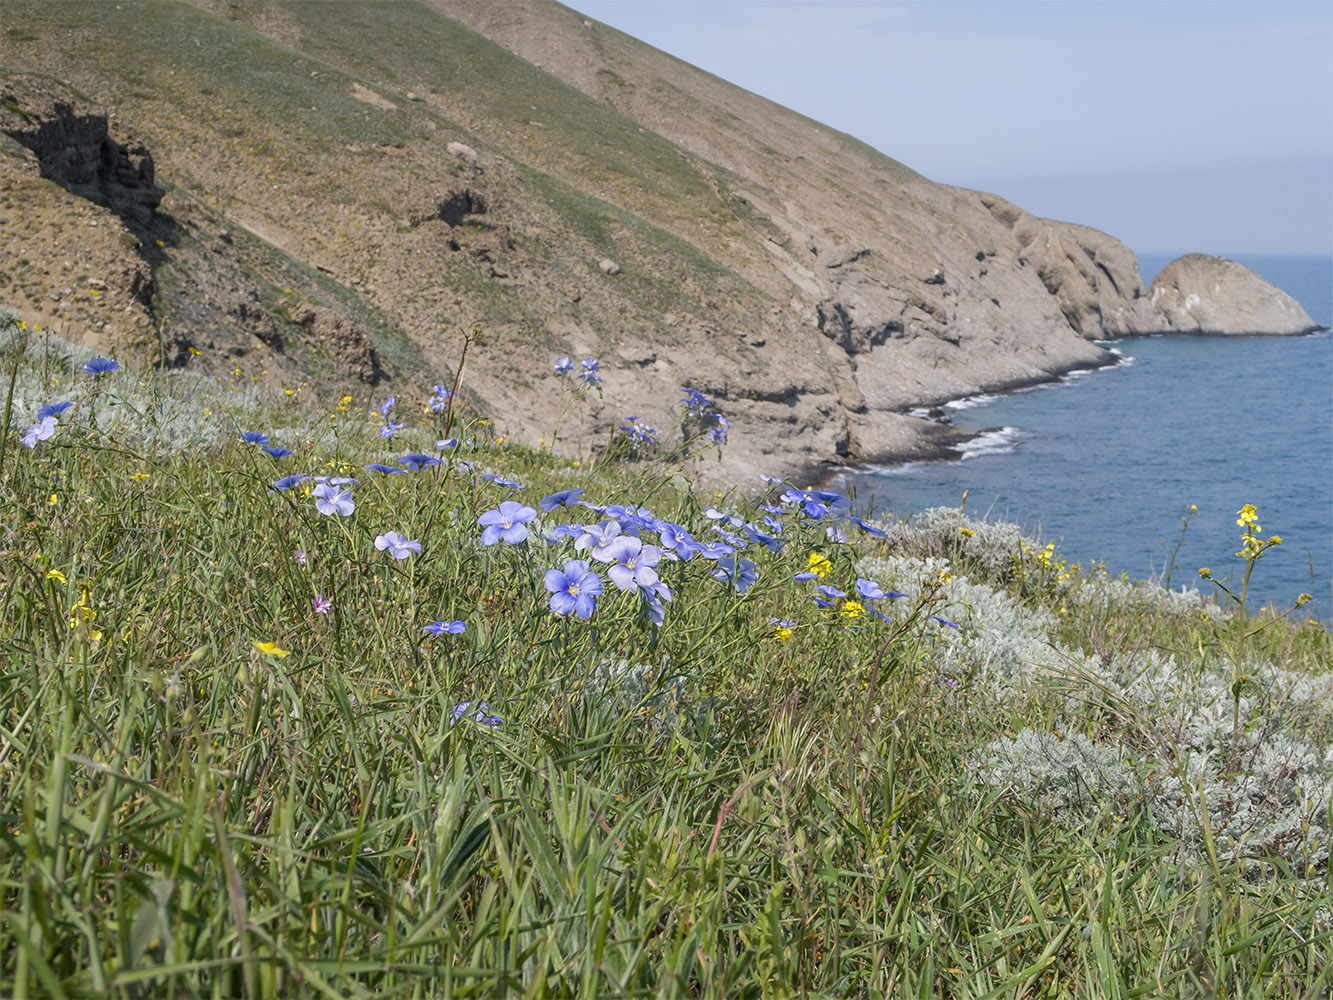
(390, 428)
(868, 590)
(330, 500)
(575, 588)
(599, 538)
(101, 366)
(718, 432)
(565, 498)
(590, 375)
(741, 573)
(716, 550)
(869, 529)
(696, 402)
(287, 482)
(653, 597)
(563, 366)
(501, 481)
(40, 431)
(508, 523)
(388, 405)
(445, 628)
(770, 542)
(398, 545)
(480, 715)
(275, 452)
(52, 410)
(388, 470)
(836, 535)
(440, 401)
(945, 621)
(444, 444)
(830, 593)
(565, 531)
(632, 566)
(255, 437)
(416, 461)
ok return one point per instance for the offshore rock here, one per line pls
(1212, 295)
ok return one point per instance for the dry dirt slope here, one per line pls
(315, 225)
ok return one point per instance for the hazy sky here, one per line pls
(1176, 126)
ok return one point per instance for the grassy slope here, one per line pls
(185, 813)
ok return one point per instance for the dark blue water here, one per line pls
(1107, 463)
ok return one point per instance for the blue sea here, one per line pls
(1106, 462)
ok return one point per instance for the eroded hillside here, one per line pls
(344, 187)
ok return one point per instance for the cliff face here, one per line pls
(348, 185)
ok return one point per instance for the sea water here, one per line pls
(1107, 463)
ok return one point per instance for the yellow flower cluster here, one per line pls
(819, 565)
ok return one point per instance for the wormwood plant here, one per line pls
(289, 707)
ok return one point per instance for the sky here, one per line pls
(1175, 125)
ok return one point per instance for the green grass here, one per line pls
(698, 809)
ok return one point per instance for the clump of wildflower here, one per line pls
(439, 402)
(590, 375)
(387, 425)
(641, 435)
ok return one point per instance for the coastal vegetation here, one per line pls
(352, 696)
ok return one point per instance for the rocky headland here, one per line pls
(326, 196)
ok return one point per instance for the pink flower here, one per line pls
(300, 557)
(321, 604)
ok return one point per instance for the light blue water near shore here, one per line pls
(1106, 462)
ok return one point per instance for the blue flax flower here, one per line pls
(481, 715)
(563, 366)
(696, 402)
(287, 482)
(398, 545)
(634, 562)
(52, 410)
(440, 401)
(101, 366)
(945, 621)
(653, 597)
(330, 500)
(388, 470)
(599, 539)
(275, 452)
(575, 588)
(501, 481)
(445, 628)
(589, 375)
(416, 461)
(868, 590)
(868, 528)
(741, 573)
(40, 431)
(508, 523)
(565, 498)
(255, 437)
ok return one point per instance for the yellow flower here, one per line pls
(852, 609)
(782, 632)
(272, 649)
(1249, 515)
(967, 531)
(819, 565)
(139, 476)
(55, 574)
(1205, 572)
(53, 499)
(1303, 599)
